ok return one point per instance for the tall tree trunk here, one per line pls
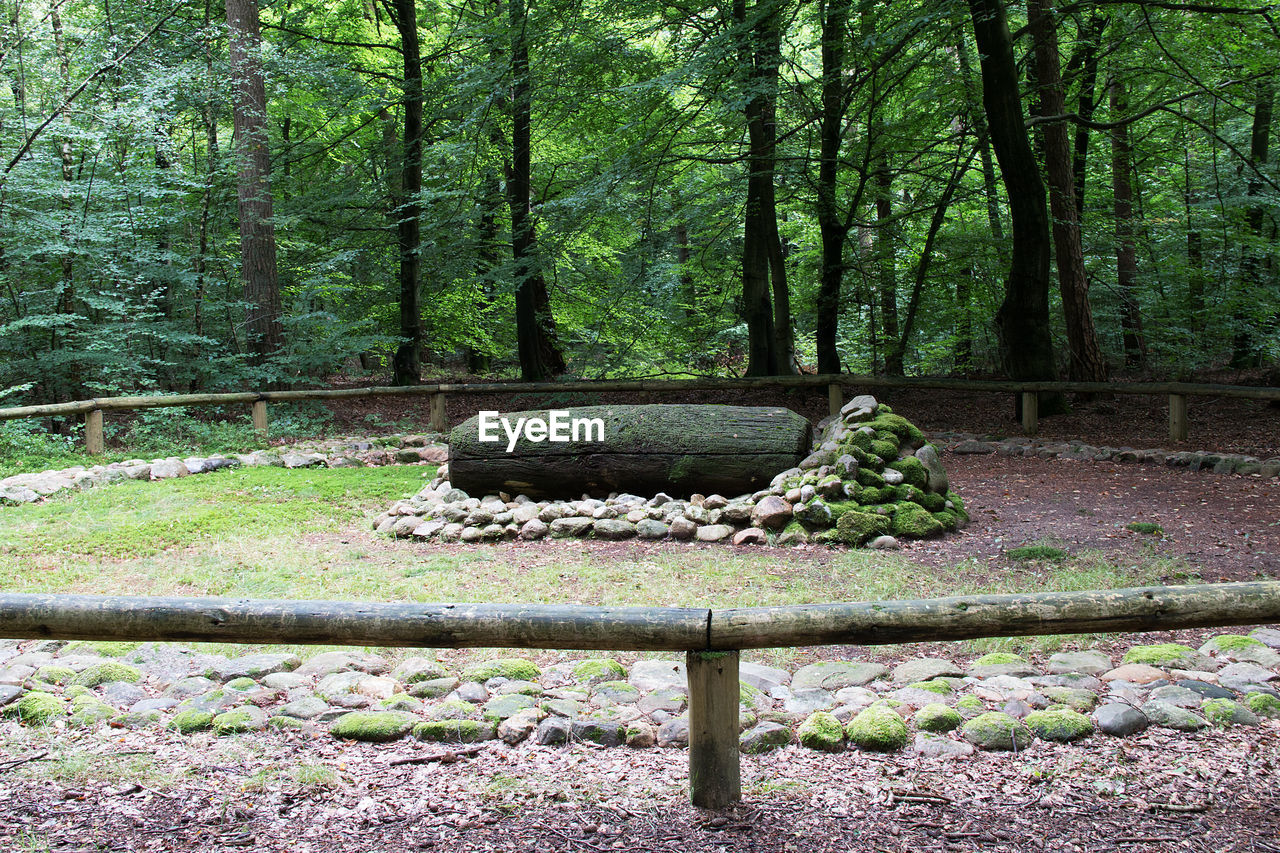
(209, 118)
(1091, 37)
(784, 346)
(1135, 349)
(886, 268)
(757, 308)
(1195, 247)
(1244, 346)
(540, 356)
(962, 355)
(1087, 363)
(478, 360)
(1023, 318)
(66, 304)
(407, 363)
(833, 231)
(257, 232)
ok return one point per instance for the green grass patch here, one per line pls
(1043, 553)
(1147, 528)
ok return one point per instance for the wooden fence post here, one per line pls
(93, 443)
(835, 398)
(1178, 428)
(260, 419)
(1030, 412)
(439, 420)
(715, 779)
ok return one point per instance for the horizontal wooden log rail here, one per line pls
(711, 638)
(833, 383)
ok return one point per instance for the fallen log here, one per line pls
(679, 449)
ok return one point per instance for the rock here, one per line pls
(1237, 676)
(614, 693)
(254, 666)
(518, 727)
(683, 529)
(1120, 720)
(884, 543)
(507, 705)
(415, 669)
(665, 699)
(750, 536)
(246, 718)
(877, 729)
(809, 700)
(122, 694)
(38, 708)
(771, 513)
(1169, 656)
(521, 669)
(330, 662)
(1263, 704)
(563, 528)
(833, 675)
(1134, 673)
(714, 532)
(641, 735)
(764, 737)
(614, 529)
(186, 722)
(596, 670)
(937, 475)
(598, 731)
(1073, 697)
(821, 731)
(9, 693)
(1180, 697)
(1086, 662)
(674, 732)
(1205, 689)
(373, 726)
(936, 717)
(305, 708)
(284, 681)
(167, 469)
(651, 529)
(764, 678)
(1227, 712)
(925, 669)
(970, 446)
(647, 675)
(1062, 726)
(455, 731)
(998, 732)
(1171, 717)
(434, 688)
(939, 746)
(1268, 636)
(104, 673)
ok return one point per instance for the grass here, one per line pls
(305, 534)
(1029, 553)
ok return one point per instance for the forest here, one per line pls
(201, 196)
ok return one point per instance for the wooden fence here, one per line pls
(710, 638)
(835, 385)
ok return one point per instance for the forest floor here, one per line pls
(289, 791)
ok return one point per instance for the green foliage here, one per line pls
(1042, 553)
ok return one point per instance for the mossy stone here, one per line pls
(870, 479)
(38, 708)
(970, 706)
(1072, 697)
(1158, 653)
(997, 731)
(283, 721)
(594, 670)
(507, 705)
(238, 720)
(243, 683)
(886, 450)
(54, 674)
(957, 506)
(1063, 725)
(615, 692)
(400, 702)
(822, 731)
(455, 731)
(913, 471)
(105, 673)
(933, 502)
(1220, 643)
(855, 528)
(187, 722)
(452, 709)
(76, 690)
(434, 688)
(933, 685)
(1227, 712)
(947, 519)
(908, 493)
(877, 729)
(1263, 704)
(998, 658)
(914, 522)
(88, 710)
(516, 669)
(373, 726)
(936, 717)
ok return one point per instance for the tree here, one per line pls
(408, 211)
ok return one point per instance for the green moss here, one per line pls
(906, 431)
(282, 721)
(1071, 697)
(1147, 527)
(908, 493)
(947, 519)
(933, 685)
(38, 708)
(452, 709)
(54, 674)
(187, 722)
(235, 721)
(516, 669)
(1027, 553)
(968, 705)
(861, 441)
(822, 731)
(75, 690)
(400, 702)
(1061, 725)
(242, 683)
(914, 522)
(89, 710)
(877, 729)
(749, 695)
(998, 658)
(933, 502)
(103, 648)
(886, 450)
(1158, 653)
(997, 731)
(958, 507)
(1263, 704)
(455, 731)
(913, 471)
(373, 726)
(1226, 712)
(598, 669)
(869, 478)
(936, 717)
(839, 508)
(105, 673)
(855, 528)
(1221, 643)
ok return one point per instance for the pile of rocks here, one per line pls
(870, 478)
(967, 443)
(996, 702)
(346, 452)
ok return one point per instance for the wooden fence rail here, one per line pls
(710, 638)
(834, 384)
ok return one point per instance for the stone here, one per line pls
(564, 528)
(533, 530)
(1227, 712)
(665, 699)
(1074, 698)
(598, 731)
(809, 700)
(821, 731)
(771, 513)
(507, 705)
(750, 536)
(330, 662)
(649, 675)
(373, 726)
(246, 718)
(122, 694)
(414, 669)
(764, 737)
(434, 688)
(833, 675)
(1205, 689)
(455, 731)
(1172, 717)
(651, 529)
(877, 729)
(1180, 697)
(614, 693)
(1120, 720)
(518, 727)
(674, 732)
(1170, 655)
(714, 532)
(1134, 673)
(936, 717)
(884, 543)
(1086, 662)
(641, 735)
(682, 529)
(1237, 676)
(521, 669)
(997, 732)
(254, 666)
(764, 678)
(1062, 725)
(937, 475)
(284, 680)
(1267, 636)
(925, 669)
(939, 746)
(613, 529)
(305, 708)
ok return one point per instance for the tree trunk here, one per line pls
(407, 363)
(680, 449)
(1195, 248)
(1023, 318)
(1135, 354)
(257, 232)
(1091, 35)
(1087, 363)
(478, 360)
(886, 268)
(67, 285)
(1245, 351)
(833, 231)
(540, 356)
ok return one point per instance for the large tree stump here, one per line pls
(679, 449)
